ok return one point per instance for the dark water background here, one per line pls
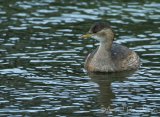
(41, 59)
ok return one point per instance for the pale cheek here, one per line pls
(96, 37)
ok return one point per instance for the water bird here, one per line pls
(109, 56)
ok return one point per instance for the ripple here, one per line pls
(17, 28)
(42, 58)
(14, 70)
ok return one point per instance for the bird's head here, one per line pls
(100, 31)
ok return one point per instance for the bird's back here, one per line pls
(124, 58)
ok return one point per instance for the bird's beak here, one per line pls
(85, 36)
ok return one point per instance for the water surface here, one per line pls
(41, 59)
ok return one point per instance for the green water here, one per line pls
(42, 58)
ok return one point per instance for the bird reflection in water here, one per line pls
(104, 80)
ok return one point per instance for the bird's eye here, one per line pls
(94, 29)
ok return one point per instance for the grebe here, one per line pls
(109, 56)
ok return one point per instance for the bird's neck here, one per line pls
(103, 60)
(107, 45)
(104, 50)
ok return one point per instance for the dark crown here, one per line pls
(98, 27)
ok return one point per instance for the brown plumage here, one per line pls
(109, 57)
